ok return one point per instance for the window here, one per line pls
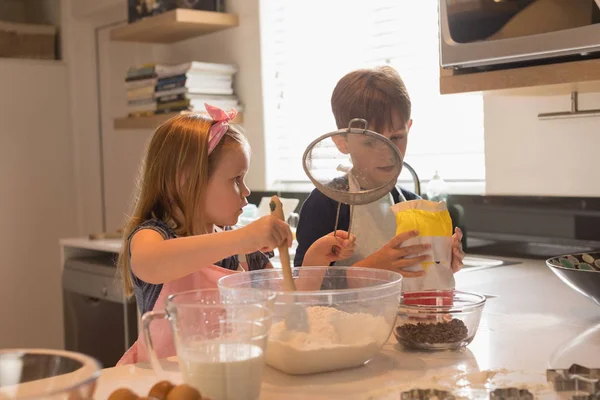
(309, 45)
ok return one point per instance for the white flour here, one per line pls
(335, 340)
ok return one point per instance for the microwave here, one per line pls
(487, 34)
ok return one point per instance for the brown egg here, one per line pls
(184, 392)
(123, 394)
(160, 390)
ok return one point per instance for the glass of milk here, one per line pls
(220, 339)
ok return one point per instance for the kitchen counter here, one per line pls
(535, 322)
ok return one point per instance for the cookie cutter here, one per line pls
(576, 378)
(586, 397)
(426, 394)
(511, 394)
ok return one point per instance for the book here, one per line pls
(184, 86)
(170, 83)
(198, 98)
(179, 101)
(141, 102)
(141, 107)
(140, 93)
(140, 72)
(194, 80)
(197, 84)
(139, 77)
(141, 83)
(206, 91)
(163, 70)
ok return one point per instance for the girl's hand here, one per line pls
(267, 233)
(458, 254)
(333, 247)
(394, 258)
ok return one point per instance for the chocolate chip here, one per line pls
(432, 333)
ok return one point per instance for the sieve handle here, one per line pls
(356, 121)
(284, 254)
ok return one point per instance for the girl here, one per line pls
(191, 190)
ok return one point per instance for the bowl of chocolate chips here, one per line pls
(438, 319)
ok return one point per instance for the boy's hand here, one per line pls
(458, 254)
(394, 258)
(329, 249)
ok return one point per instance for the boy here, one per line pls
(379, 96)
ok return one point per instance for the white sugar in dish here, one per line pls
(335, 340)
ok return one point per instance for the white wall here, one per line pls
(79, 53)
(240, 46)
(527, 156)
(91, 8)
(123, 149)
(37, 202)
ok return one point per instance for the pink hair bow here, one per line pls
(220, 125)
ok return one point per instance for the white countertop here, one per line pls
(105, 245)
(535, 323)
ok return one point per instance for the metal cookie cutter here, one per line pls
(578, 379)
(586, 397)
(511, 394)
(426, 394)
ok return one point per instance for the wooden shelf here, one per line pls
(150, 123)
(173, 26)
(31, 61)
(560, 78)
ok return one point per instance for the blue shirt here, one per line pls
(146, 293)
(317, 219)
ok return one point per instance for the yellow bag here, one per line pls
(432, 221)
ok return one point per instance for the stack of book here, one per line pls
(140, 84)
(158, 89)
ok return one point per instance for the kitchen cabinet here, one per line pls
(550, 79)
(99, 320)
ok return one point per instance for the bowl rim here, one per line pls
(172, 300)
(83, 358)
(436, 309)
(550, 262)
(300, 293)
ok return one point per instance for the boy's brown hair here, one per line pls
(374, 94)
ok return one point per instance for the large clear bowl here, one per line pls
(351, 313)
(47, 374)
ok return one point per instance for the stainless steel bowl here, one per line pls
(581, 272)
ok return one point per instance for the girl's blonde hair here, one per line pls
(173, 178)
